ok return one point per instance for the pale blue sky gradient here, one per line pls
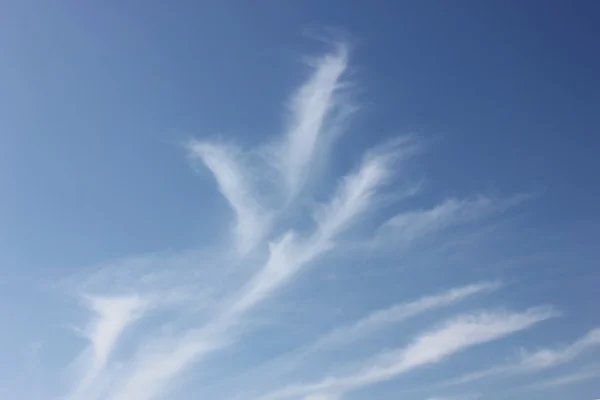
(111, 111)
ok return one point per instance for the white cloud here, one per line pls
(408, 226)
(290, 253)
(161, 361)
(113, 316)
(567, 379)
(286, 257)
(538, 360)
(377, 320)
(271, 254)
(399, 312)
(310, 107)
(236, 186)
(293, 157)
(429, 348)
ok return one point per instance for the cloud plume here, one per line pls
(310, 108)
(428, 348)
(156, 319)
(399, 312)
(113, 316)
(539, 359)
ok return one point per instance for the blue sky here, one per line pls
(299, 200)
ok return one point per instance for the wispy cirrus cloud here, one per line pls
(408, 226)
(200, 305)
(236, 186)
(538, 360)
(566, 379)
(361, 329)
(310, 108)
(156, 364)
(399, 312)
(290, 253)
(286, 257)
(113, 315)
(428, 348)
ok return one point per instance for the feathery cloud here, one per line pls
(236, 186)
(290, 253)
(538, 360)
(310, 107)
(566, 379)
(271, 255)
(398, 313)
(409, 226)
(286, 257)
(375, 321)
(113, 316)
(429, 348)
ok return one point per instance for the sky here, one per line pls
(305, 200)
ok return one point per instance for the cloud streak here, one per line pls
(291, 252)
(310, 108)
(286, 258)
(566, 379)
(113, 316)
(409, 226)
(198, 305)
(370, 324)
(538, 360)
(428, 348)
(235, 185)
(400, 312)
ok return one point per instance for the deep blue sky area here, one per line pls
(97, 101)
